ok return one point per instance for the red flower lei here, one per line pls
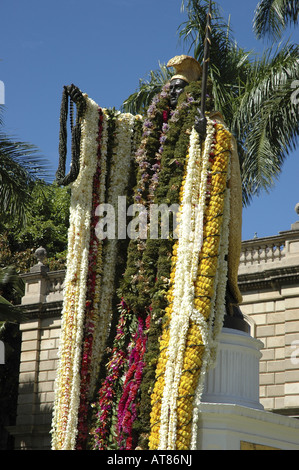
(127, 407)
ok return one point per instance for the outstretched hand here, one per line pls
(75, 94)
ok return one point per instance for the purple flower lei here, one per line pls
(141, 155)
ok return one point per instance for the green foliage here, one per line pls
(20, 166)
(253, 93)
(265, 118)
(47, 222)
(12, 288)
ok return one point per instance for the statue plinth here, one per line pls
(231, 416)
(235, 378)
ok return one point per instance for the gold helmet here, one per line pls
(187, 68)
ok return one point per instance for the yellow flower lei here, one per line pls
(180, 431)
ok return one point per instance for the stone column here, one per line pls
(38, 363)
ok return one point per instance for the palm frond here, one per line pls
(20, 165)
(273, 16)
(9, 277)
(265, 119)
(9, 313)
(138, 102)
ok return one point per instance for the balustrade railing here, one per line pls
(55, 285)
(267, 250)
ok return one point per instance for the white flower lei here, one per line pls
(211, 333)
(189, 245)
(67, 387)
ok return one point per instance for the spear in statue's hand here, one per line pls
(200, 120)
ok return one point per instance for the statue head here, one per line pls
(187, 70)
(177, 86)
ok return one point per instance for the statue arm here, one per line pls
(76, 96)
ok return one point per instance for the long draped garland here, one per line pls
(91, 263)
(147, 356)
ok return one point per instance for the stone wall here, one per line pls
(39, 361)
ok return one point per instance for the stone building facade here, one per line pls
(269, 281)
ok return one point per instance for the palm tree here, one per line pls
(20, 166)
(273, 16)
(138, 102)
(252, 93)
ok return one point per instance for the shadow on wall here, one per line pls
(33, 422)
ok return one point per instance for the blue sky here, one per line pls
(105, 47)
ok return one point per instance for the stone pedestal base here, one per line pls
(235, 378)
(234, 427)
(231, 417)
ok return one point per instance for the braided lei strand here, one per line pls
(187, 340)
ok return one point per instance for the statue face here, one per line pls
(176, 88)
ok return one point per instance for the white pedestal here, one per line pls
(235, 378)
(234, 427)
(231, 417)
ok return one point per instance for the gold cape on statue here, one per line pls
(235, 223)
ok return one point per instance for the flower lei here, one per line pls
(188, 337)
(171, 288)
(127, 407)
(87, 269)
(108, 393)
(120, 166)
(142, 255)
(67, 387)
